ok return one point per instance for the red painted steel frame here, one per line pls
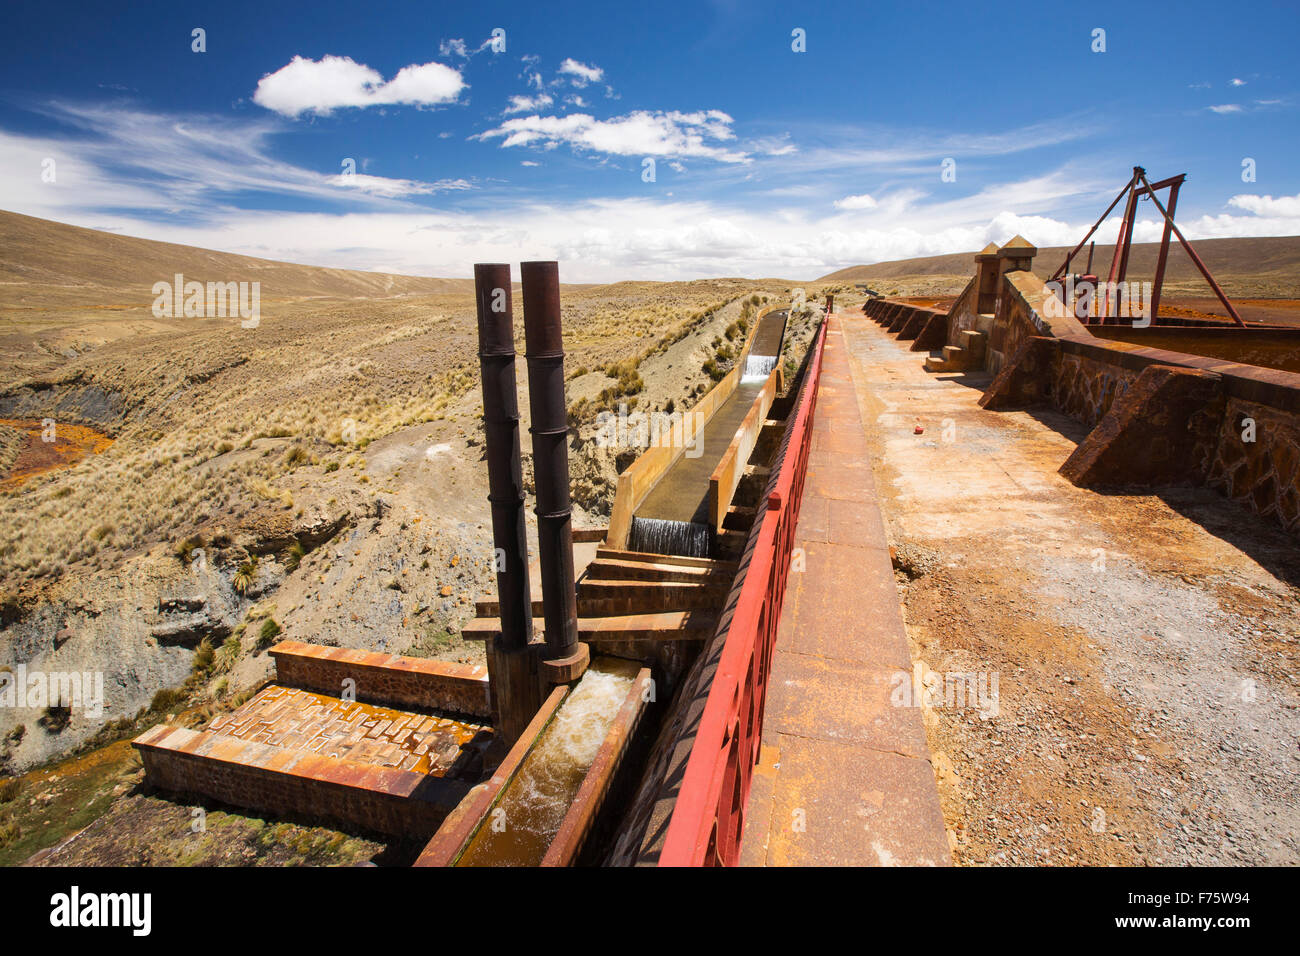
(709, 815)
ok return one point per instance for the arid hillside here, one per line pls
(176, 493)
(47, 263)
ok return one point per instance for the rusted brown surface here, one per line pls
(264, 777)
(405, 681)
(844, 775)
(71, 444)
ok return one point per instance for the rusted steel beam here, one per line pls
(565, 657)
(1131, 221)
(1158, 283)
(1095, 226)
(1195, 258)
(1119, 244)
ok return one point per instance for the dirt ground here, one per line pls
(1144, 644)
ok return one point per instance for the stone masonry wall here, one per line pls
(245, 773)
(1263, 474)
(1085, 388)
(385, 678)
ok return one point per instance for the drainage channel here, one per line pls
(529, 813)
(674, 518)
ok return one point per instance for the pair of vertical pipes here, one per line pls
(522, 671)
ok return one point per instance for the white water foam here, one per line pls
(758, 368)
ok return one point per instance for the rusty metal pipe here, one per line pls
(544, 348)
(496, 355)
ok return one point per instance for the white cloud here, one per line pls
(529, 162)
(122, 158)
(642, 133)
(522, 104)
(394, 188)
(581, 73)
(1284, 206)
(454, 47)
(863, 201)
(184, 179)
(1237, 82)
(334, 82)
(1225, 108)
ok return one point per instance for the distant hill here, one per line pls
(50, 264)
(1253, 266)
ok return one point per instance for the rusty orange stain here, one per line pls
(71, 444)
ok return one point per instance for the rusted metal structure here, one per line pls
(708, 818)
(565, 658)
(514, 683)
(1136, 188)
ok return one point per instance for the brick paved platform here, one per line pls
(305, 720)
(844, 778)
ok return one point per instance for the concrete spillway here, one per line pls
(681, 496)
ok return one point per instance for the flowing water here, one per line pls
(519, 829)
(662, 536)
(758, 368)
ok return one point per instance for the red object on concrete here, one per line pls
(918, 430)
(709, 815)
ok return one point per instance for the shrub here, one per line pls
(10, 787)
(9, 832)
(244, 576)
(55, 719)
(203, 656)
(269, 632)
(185, 549)
(167, 699)
(227, 654)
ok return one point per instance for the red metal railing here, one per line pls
(709, 814)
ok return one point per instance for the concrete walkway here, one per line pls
(1145, 643)
(844, 778)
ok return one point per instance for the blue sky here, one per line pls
(766, 161)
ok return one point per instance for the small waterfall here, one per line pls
(758, 368)
(688, 539)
